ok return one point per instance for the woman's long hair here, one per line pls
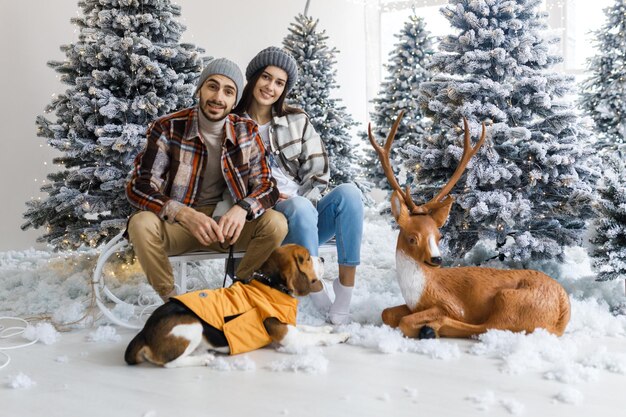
(280, 108)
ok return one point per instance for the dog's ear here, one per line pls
(300, 280)
(289, 274)
(277, 261)
(301, 256)
(281, 264)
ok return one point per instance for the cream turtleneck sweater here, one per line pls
(213, 183)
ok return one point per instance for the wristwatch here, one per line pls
(247, 207)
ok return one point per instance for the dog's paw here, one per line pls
(207, 359)
(315, 329)
(335, 339)
(325, 329)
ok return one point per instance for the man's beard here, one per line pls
(213, 118)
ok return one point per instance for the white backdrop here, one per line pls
(31, 33)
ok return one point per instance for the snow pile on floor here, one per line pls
(312, 362)
(38, 283)
(234, 363)
(569, 395)
(104, 334)
(488, 399)
(384, 339)
(42, 332)
(21, 381)
(572, 358)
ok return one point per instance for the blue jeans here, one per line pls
(339, 214)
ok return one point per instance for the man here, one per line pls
(195, 160)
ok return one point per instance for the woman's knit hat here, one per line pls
(276, 57)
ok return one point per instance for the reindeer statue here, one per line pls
(464, 301)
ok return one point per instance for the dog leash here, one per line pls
(230, 266)
(230, 271)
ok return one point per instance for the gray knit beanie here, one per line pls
(225, 67)
(278, 58)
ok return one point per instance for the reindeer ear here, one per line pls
(440, 215)
(398, 206)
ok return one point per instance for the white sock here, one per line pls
(321, 299)
(340, 310)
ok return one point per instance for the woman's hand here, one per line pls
(232, 223)
(202, 227)
(282, 197)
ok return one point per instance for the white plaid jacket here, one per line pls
(300, 152)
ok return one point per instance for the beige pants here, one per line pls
(154, 240)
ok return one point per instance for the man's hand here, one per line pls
(282, 197)
(232, 223)
(201, 226)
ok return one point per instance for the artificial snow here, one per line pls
(42, 332)
(308, 363)
(484, 401)
(104, 334)
(57, 286)
(236, 363)
(512, 406)
(488, 399)
(21, 381)
(604, 360)
(72, 314)
(569, 395)
(387, 340)
(559, 358)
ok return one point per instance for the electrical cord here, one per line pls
(9, 332)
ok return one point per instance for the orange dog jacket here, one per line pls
(251, 303)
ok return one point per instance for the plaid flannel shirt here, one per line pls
(168, 172)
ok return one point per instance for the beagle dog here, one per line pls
(246, 316)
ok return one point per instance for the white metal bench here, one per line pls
(108, 302)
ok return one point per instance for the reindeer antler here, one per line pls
(441, 198)
(383, 156)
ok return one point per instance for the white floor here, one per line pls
(93, 380)
(75, 377)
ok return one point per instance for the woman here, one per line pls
(299, 163)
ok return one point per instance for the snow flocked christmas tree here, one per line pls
(604, 92)
(312, 93)
(528, 188)
(126, 69)
(610, 232)
(399, 91)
